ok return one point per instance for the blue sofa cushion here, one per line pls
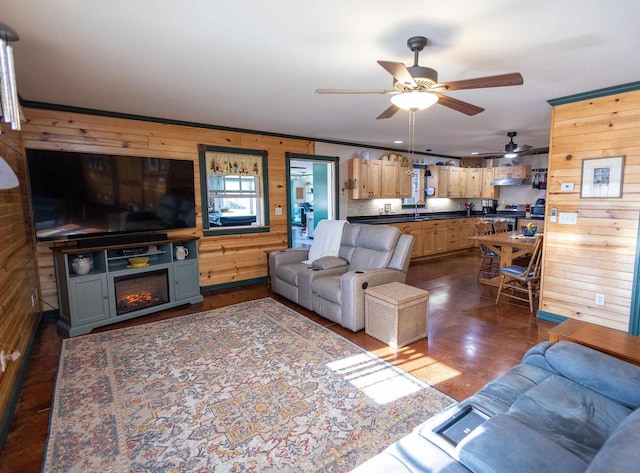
(569, 415)
(504, 445)
(621, 452)
(605, 374)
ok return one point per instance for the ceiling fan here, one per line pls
(513, 150)
(417, 87)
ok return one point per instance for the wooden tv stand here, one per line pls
(115, 290)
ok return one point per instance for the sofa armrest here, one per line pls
(353, 284)
(288, 256)
(602, 373)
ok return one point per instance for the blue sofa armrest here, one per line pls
(602, 373)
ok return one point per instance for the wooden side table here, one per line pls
(604, 339)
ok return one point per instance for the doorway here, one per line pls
(312, 195)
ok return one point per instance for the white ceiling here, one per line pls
(256, 64)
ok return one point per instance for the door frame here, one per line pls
(314, 158)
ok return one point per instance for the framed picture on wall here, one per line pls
(602, 178)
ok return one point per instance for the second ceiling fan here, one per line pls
(417, 87)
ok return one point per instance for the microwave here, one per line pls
(537, 212)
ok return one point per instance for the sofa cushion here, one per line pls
(328, 262)
(499, 395)
(374, 247)
(350, 234)
(605, 374)
(289, 272)
(569, 415)
(329, 288)
(621, 451)
(504, 445)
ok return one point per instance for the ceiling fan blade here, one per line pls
(458, 105)
(534, 151)
(400, 72)
(389, 112)
(502, 80)
(355, 91)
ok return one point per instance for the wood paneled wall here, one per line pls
(598, 254)
(18, 276)
(224, 259)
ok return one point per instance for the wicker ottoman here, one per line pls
(396, 314)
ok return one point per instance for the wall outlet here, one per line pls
(3, 361)
(600, 299)
(566, 187)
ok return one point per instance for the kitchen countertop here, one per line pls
(402, 218)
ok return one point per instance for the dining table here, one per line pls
(509, 246)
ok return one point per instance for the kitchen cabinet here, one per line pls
(489, 191)
(473, 180)
(457, 233)
(389, 179)
(374, 179)
(434, 237)
(508, 172)
(405, 174)
(366, 175)
(451, 183)
(414, 229)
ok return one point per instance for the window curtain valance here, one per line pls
(234, 164)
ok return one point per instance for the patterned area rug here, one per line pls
(253, 387)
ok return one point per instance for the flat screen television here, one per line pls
(83, 195)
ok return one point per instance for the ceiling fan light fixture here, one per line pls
(414, 100)
(511, 155)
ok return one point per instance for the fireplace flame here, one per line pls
(138, 299)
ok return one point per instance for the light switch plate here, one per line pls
(569, 218)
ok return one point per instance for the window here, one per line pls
(233, 189)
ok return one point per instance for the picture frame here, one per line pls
(602, 178)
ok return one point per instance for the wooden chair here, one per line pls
(490, 264)
(500, 227)
(522, 283)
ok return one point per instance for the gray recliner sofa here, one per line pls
(333, 286)
(566, 408)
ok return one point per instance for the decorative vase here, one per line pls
(81, 264)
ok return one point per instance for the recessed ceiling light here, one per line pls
(473, 153)
(398, 142)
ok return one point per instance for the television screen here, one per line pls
(78, 195)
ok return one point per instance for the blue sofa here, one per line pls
(566, 408)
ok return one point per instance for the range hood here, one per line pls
(512, 181)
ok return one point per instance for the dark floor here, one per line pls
(471, 341)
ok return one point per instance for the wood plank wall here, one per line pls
(598, 254)
(228, 259)
(18, 276)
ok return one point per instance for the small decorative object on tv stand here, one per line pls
(110, 289)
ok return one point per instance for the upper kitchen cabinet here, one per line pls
(366, 175)
(489, 191)
(375, 179)
(512, 172)
(473, 180)
(451, 182)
